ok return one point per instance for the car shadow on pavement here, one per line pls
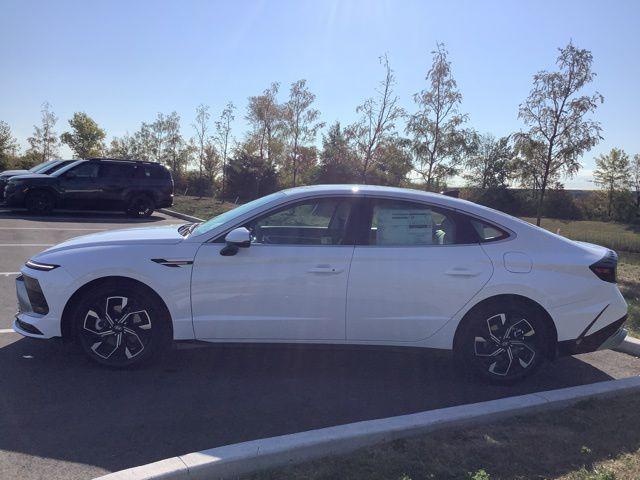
(56, 404)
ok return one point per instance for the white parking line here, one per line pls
(6, 274)
(6, 330)
(26, 244)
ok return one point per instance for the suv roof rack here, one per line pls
(121, 160)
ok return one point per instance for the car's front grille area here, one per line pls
(36, 297)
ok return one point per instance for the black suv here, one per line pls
(95, 184)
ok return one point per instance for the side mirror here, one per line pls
(236, 239)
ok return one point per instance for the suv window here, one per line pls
(85, 170)
(113, 170)
(404, 223)
(311, 222)
(155, 172)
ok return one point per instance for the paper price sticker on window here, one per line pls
(404, 227)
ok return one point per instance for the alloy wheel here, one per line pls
(506, 346)
(117, 330)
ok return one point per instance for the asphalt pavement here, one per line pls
(62, 417)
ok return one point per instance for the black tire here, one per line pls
(40, 202)
(140, 206)
(502, 342)
(121, 324)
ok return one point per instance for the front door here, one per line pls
(79, 186)
(289, 285)
(417, 267)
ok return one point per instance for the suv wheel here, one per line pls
(40, 202)
(120, 324)
(502, 343)
(140, 206)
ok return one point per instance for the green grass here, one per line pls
(617, 236)
(594, 440)
(201, 207)
(629, 283)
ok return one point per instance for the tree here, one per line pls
(393, 163)
(85, 139)
(8, 145)
(223, 140)
(201, 126)
(635, 179)
(337, 161)
(125, 147)
(557, 117)
(176, 153)
(43, 144)
(612, 174)
(265, 116)
(376, 123)
(490, 163)
(250, 176)
(438, 141)
(300, 122)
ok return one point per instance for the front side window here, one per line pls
(85, 170)
(404, 223)
(311, 222)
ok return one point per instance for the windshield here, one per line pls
(42, 166)
(236, 212)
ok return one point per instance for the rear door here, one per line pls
(113, 180)
(416, 267)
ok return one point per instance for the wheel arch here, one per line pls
(67, 331)
(518, 300)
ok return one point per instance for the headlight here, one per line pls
(40, 266)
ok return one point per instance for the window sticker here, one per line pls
(404, 227)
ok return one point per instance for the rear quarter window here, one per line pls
(488, 232)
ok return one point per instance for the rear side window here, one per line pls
(116, 170)
(487, 232)
(403, 223)
(85, 170)
(154, 172)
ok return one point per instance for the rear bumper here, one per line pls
(605, 338)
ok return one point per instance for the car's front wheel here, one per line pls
(502, 343)
(119, 324)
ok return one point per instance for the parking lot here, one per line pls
(64, 417)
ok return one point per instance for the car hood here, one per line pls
(164, 235)
(12, 173)
(29, 176)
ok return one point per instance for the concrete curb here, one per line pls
(179, 215)
(242, 458)
(629, 345)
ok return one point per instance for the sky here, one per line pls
(122, 62)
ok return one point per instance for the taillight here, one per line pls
(605, 268)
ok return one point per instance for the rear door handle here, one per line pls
(326, 269)
(462, 272)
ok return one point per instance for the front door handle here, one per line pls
(326, 269)
(462, 272)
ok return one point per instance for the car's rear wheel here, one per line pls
(40, 202)
(140, 206)
(502, 343)
(119, 324)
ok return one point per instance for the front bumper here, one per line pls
(14, 196)
(606, 338)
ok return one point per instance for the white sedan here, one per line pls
(337, 264)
